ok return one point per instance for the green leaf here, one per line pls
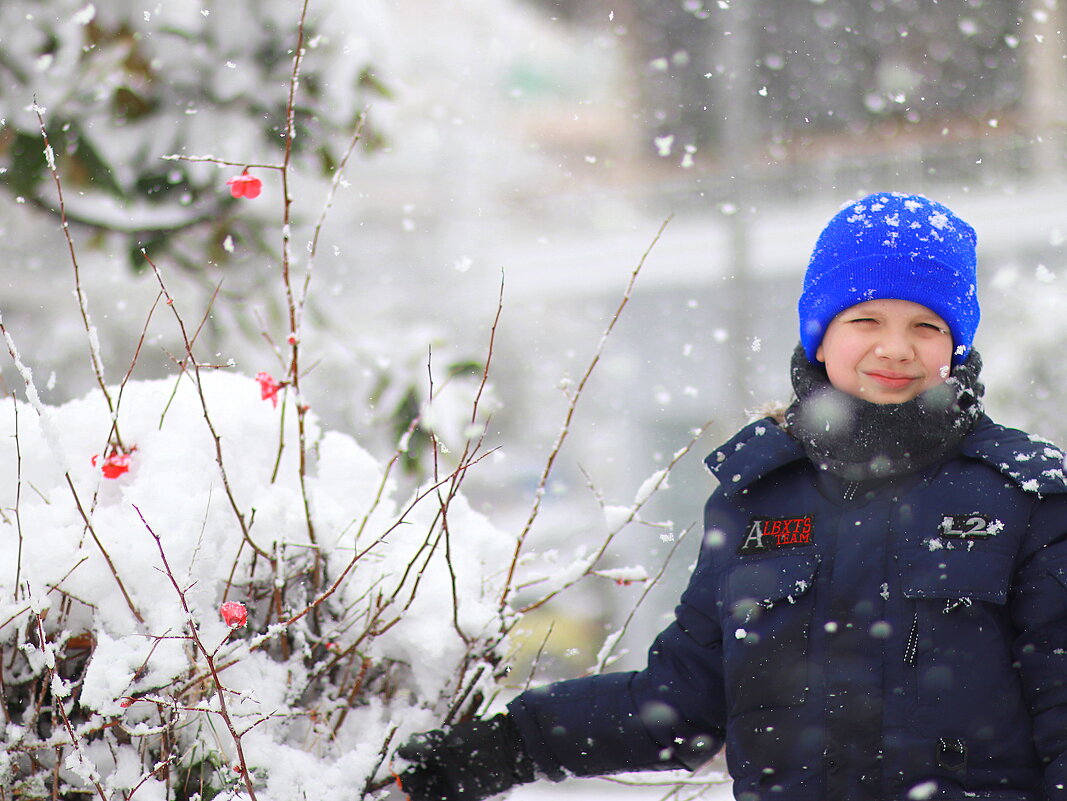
(370, 82)
(87, 165)
(26, 165)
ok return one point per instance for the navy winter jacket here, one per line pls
(892, 639)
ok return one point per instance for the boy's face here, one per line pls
(886, 351)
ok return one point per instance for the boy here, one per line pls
(879, 610)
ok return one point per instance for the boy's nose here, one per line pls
(894, 345)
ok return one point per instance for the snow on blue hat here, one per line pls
(893, 245)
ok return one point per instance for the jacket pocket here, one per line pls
(978, 575)
(957, 653)
(766, 617)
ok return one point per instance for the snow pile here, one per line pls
(99, 662)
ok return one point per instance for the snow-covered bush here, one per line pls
(368, 617)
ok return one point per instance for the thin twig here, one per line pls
(338, 176)
(18, 497)
(295, 308)
(370, 785)
(537, 657)
(209, 658)
(195, 374)
(360, 554)
(353, 694)
(462, 695)
(52, 437)
(207, 313)
(442, 507)
(137, 350)
(542, 483)
(57, 704)
(468, 452)
(107, 557)
(83, 304)
(489, 352)
(594, 560)
(606, 654)
(221, 162)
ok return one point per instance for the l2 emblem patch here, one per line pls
(968, 527)
(770, 534)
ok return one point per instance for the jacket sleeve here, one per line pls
(670, 715)
(1039, 610)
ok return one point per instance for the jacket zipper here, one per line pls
(913, 641)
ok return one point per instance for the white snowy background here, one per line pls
(516, 149)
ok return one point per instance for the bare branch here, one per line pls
(371, 785)
(296, 309)
(338, 176)
(18, 497)
(195, 374)
(57, 704)
(605, 655)
(107, 557)
(52, 437)
(542, 483)
(209, 658)
(83, 304)
(537, 657)
(631, 517)
(220, 161)
(360, 554)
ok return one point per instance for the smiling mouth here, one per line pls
(891, 381)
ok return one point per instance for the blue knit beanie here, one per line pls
(892, 245)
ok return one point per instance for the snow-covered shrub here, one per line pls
(369, 616)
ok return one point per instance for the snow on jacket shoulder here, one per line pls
(863, 641)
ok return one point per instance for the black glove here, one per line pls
(466, 762)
